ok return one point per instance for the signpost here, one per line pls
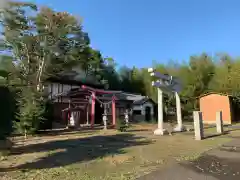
(169, 84)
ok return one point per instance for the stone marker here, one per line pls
(105, 121)
(219, 122)
(198, 125)
(104, 118)
(126, 117)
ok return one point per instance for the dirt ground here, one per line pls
(98, 154)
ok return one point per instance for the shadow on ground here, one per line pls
(219, 166)
(208, 135)
(139, 130)
(63, 131)
(226, 132)
(76, 150)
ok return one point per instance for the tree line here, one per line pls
(38, 42)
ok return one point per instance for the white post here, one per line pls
(160, 130)
(198, 125)
(105, 117)
(87, 117)
(160, 109)
(219, 122)
(179, 113)
(126, 117)
(72, 119)
(105, 121)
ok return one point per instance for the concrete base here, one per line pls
(214, 122)
(159, 132)
(189, 128)
(179, 129)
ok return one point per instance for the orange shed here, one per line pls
(212, 102)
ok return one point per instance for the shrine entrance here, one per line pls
(98, 113)
(88, 105)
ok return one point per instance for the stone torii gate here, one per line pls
(166, 83)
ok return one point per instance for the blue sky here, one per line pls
(136, 32)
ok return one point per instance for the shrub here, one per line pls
(31, 112)
(47, 119)
(121, 125)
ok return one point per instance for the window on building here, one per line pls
(137, 112)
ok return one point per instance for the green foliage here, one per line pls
(7, 112)
(41, 43)
(30, 114)
(121, 125)
(47, 115)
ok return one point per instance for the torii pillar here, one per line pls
(93, 109)
(113, 111)
(160, 130)
(179, 126)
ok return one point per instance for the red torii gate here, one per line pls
(94, 92)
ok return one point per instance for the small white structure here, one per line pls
(143, 109)
(105, 120)
(126, 117)
(75, 115)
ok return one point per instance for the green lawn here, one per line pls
(89, 155)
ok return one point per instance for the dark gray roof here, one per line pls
(127, 96)
(142, 101)
(76, 77)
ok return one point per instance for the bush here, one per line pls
(47, 120)
(31, 110)
(121, 125)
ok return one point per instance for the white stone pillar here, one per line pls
(179, 127)
(72, 119)
(105, 117)
(105, 122)
(87, 123)
(198, 125)
(219, 122)
(126, 117)
(160, 130)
